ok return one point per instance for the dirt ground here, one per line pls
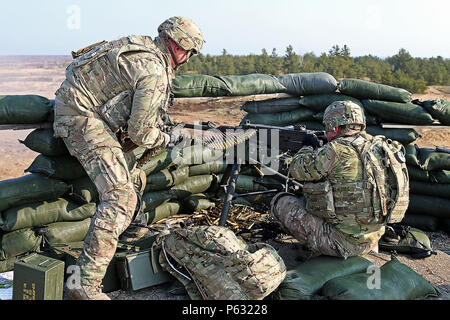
(43, 75)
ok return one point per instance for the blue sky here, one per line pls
(379, 28)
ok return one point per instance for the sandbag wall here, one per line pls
(429, 208)
(55, 200)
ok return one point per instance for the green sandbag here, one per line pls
(216, 166)
(197, 202)
(166, 178)
(370, 120)
(21, 109)
(432, 160)
(411, 241)
(412, 156)
(305, 281)
(163, 211)
(319, 102)
(43, 212)
(397, 282)
(7, 265)
(18, 242)
(151, 200)
(418, 174)
(83, 190)
(66, 232)
(430, 189)
(271, 105)
(423, 222)
(199, 85)
(302, 84)
(42, 141)
(428, 205)
(160, 161)
(407, 113)
(193, 185)
(62, 167)
(28, 189)
(279, 119)
(440, 176)
(250, 84)
(404, 136)
(197, 154)
(439, 109)
(368, 90)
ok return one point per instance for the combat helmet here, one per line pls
(341, 113)
(184, 32)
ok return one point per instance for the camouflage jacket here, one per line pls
(355, 208)
(133, 67)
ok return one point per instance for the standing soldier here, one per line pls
(112, 89)
(355, 184)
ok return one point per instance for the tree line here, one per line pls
(400, 70)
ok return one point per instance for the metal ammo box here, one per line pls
(38, 277)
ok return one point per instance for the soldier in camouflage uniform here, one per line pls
(340, 213)
(116, 89)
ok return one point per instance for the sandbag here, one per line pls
(22, 109)
(369, 90)
(151, 200)
(417, 174)
(246, 183)
(404, 239)
(165, 179)
(18, 242)
(197, 202)
(61, 167)
(83, 190)
(439, 109)
(66, 232)
(161, 212)
(397, 282)
(256, 83)
(199, 85)
(216, 166)
(193, 185)
(421, 221)
(162, 160)
(44, 212)
(279, 119)
(28, 189)
(432, 160)
(305, 281)
(302, 84)
(430, 189)
(271, 105)
(412, 155)
(197, 154)
(8, 264)
(319, 102)
(440, 176)
(404, 136)
(406, 113)
(428, 205)
(42, 141)
(444, 224)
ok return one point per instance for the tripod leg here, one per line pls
(230, 191)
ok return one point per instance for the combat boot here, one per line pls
(86, 293)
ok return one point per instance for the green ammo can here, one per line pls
(38, 277)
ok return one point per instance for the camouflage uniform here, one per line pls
(111, 88)
(340, 215)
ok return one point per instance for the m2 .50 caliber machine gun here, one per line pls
(252, 139)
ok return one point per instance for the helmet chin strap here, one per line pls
(169, 48)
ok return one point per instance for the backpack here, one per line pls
(392, 179)
(213, 263)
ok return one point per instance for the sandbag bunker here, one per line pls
(54, 202)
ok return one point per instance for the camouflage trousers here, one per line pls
(96, 147)
(317, 234)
